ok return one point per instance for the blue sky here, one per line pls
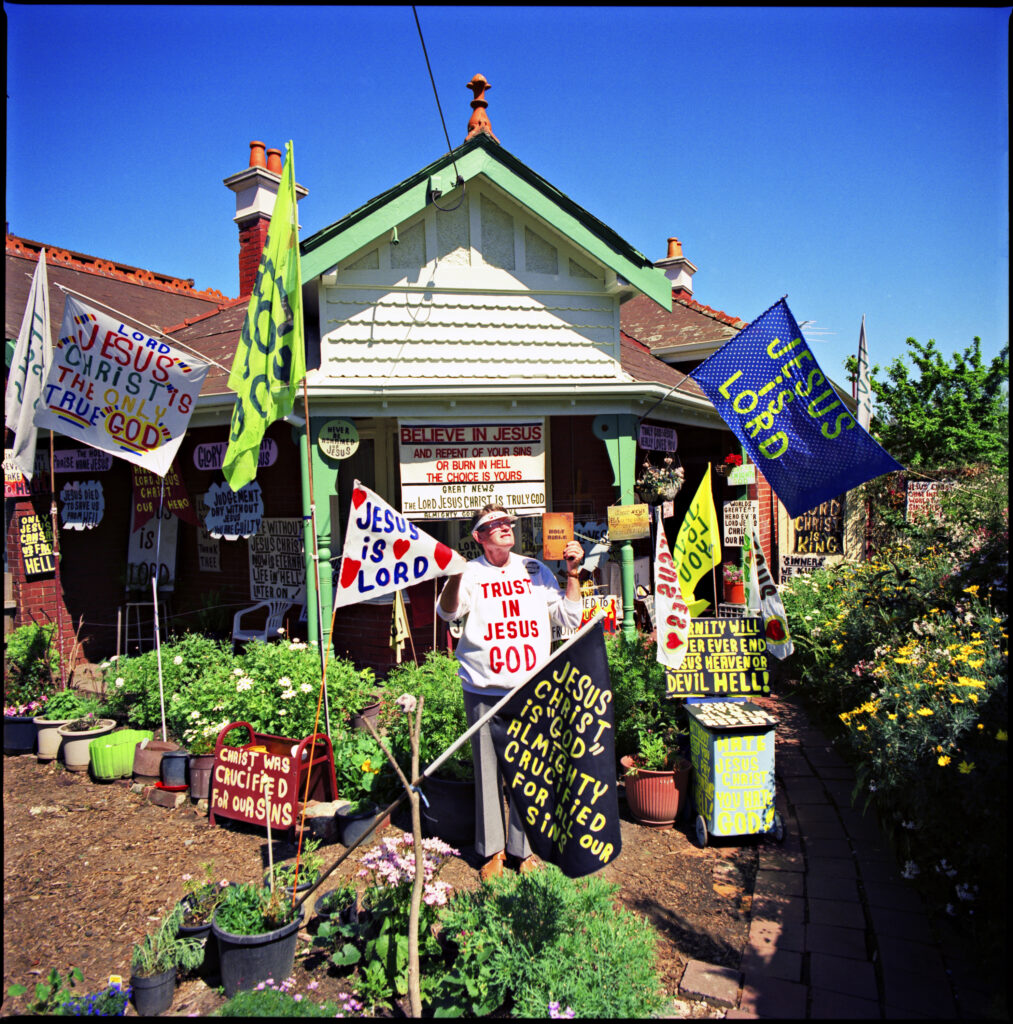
(853, 159)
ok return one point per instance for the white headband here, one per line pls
(491, 517)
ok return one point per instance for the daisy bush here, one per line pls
(905, 659)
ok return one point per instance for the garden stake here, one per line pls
(270, 843)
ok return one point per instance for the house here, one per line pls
(466, 327)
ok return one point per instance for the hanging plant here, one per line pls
(660, 484)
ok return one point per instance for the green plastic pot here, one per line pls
(112, 756)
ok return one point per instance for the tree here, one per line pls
(947, 415)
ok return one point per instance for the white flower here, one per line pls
(178, 660)
(243, 684)
(282, 712)
(285, 682)
(121, 681)
(911, 870)
(237, 671)
(306, 688)
(288, 694)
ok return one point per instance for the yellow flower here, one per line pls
(892, 718)
(955, 700)
(943, 761)
(366, 766)
(1001, 736)
(968, 681)
(977, 663)
(972, 589)
(861, 728)
(925, 712)
(964, 768)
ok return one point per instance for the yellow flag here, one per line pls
(271, 357)
(399, 629)
(697, 548)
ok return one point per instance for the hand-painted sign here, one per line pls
(628, 522)
(211, 455)
(338, 439)
(671, 611)
(606, 605)
(277, 565)
(36, 545)
(763, 595)
(114, 388)
(799, 565)
(233, 514)
(384, 552)
(555, 744)
(152, 492)
(741, 475)
(821, 530)
(767, 386)
(16, 484)
(657, 439)
(738, 515)
(151, 552)
(82, 504)
(923, 497)
(209, 556)
(723, 656)
(450, 470)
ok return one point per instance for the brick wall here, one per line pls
(252, 238)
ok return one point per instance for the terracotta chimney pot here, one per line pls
(479, 118)
(674, 249)
(257, 155)
(274, 161)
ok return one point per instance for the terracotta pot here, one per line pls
(76, 752)
(148, 760)
(735, 593)
(47, 737)
(654, 798)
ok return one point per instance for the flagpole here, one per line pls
(56, 555)
(316, 557)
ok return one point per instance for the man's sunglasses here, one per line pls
(497, 524)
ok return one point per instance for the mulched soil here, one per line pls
(90, 867)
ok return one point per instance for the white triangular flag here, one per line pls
(763, 594)
(384, 551)
(670, 609)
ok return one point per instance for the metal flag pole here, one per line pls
(56, 559)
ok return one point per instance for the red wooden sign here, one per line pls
(269, 771)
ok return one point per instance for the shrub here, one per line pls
(361, 768)
(71, 704)
(32, 662)
(544, 938)
(443, 715)
(165, 950)
(279, 1000)
(638, 691)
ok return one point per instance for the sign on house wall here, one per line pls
(82, 504)
(820, 531)
(151, 551)
(449, 470)
(799, 565)
(277, 567)
(737, 516)
(36, 545)
(923, 497)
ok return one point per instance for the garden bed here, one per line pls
(89, 868)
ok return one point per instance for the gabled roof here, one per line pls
(689, 325)
(482, 155)
(153, 299)
(639, 363)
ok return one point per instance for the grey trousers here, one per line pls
(490, 823)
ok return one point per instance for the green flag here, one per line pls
(271, 356)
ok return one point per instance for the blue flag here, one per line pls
(769, 389)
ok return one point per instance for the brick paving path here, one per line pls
(835, 931)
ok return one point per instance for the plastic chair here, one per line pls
(275, 617)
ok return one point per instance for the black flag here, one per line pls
(556, 748)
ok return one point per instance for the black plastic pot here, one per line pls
(247, 960)
(152, 996)
(450, 812)
(351, 826)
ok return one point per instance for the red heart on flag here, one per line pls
(400, 547)
(775, 630)
(442, 555)
(358, 497)
(349, 570)
(674, 641)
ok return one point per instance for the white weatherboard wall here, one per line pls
(483, 294)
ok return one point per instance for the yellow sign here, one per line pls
(628, 522)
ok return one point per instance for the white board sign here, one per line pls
(737, 515)
(151, 551)
(449, 470)
(277, 565)
(82, 504)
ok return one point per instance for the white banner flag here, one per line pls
(114, 388)
(32, 356)
(763, 595)
(670, 609)
(384, 551)
(863, 390)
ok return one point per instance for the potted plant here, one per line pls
(28, 681)
(341, 902)
(77, 738)
(61, 708)
(310, 863)
(364, 778)
(201, 896)
(449, 808)
(154, 962)
(656, 778)
(730, 462)
(202, 761)
(256, 934)
(353, 691)
(655, 484)
(734, 585)
(112, 757)
(19, 725)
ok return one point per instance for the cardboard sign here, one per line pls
(36, 546)
(277, 564)
(737, 517)
(209, 557)
(151, 491)
(151, 552)
(557, 532)
(672, 612)
(450, 470)
(556, 749)
(82, 504)
(657, 439)
(799, 565)
(741, 475)
(338, 439)
(233, 514)
(821, 530)
(607, 605)
(628, 522)
(384, 552)
(212, 455)
(16, 484)
(723, 656)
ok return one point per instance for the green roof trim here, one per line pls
(481, 155)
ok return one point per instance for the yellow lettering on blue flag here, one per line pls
(271, 356)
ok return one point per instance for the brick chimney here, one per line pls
(479, 118)
(256, 189)
(678, 270)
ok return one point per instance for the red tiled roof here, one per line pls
(689, 323)
(214, 336)
(637, 361)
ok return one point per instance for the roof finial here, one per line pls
(479, 119)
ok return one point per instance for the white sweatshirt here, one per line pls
(507, 629)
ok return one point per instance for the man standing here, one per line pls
(510, 603)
